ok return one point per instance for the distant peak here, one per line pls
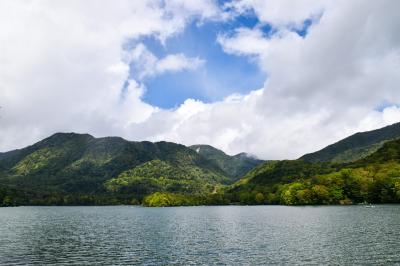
(246, 155)
(69, 134)
(204, 147)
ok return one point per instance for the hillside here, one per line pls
(79, 164)
(356, 146)
(235, 166)
(69, 168)
(375, 178)
(161, 176)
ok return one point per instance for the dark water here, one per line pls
(229, 235)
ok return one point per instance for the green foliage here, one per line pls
(36, 161)
(164, 199)
(271, 174)
(71, 169)
(375, 178)
(162, 176)
(68, 163)
(260, 198)
(235, 166)
(160, 199)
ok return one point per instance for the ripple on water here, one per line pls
(225, 235)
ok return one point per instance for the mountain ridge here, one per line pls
(70, 168)
(85, 155)
(235, 165)
(79, 164)
(374, 178)
(356, 146)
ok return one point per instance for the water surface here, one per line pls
(223, 235)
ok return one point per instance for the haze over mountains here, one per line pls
(69, 168)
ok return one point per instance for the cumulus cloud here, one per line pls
(62, 67)
(280, 13)
(244, 41)
(320, 88)
(145, 64)
(177, 62)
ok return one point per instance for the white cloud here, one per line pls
(146, 64)
(244, 42)
(62, 68)
(320, 88)
(280, 13)
(62, 65)
(177, 62)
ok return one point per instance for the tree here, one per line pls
(321, 194)
(304, 196)
(259, 198)
(8, 201)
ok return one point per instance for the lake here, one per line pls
(220, 235)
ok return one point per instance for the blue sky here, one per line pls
(221, 75)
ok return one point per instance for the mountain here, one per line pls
(235, 166)
(375, 178)
(69, 168)
(356, 146)
(79, 164)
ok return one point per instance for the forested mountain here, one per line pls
(69, 168)
(356, 146)
(375, 178)
(79, 164)
(235, 166)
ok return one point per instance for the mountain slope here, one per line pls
(375, 178)
(356, 146)
(235, 166)
(161, 176)
(79, 163)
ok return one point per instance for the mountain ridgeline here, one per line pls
(375, 178)
(356, 146)
(69, 168)
(78, 169)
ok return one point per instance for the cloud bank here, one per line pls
(63, 67)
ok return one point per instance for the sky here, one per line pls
(273, 78)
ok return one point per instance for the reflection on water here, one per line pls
(226, 235)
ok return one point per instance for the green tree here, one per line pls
(321, 194)
(259, 198)
(304, 196)
(8, 201)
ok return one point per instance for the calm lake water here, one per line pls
(226, 235)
